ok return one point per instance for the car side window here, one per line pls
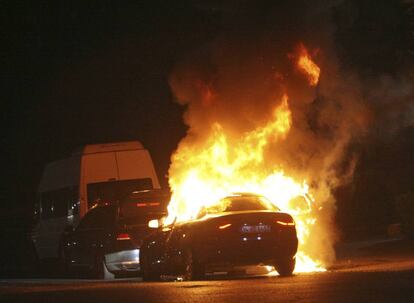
(85, 222)
(98, 218)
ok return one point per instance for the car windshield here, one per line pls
(238, 203)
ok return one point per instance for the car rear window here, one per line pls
(240, 203)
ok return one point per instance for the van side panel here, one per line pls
(136, 164)
(46, 233)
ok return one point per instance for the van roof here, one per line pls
(66, 172)
(108, 147)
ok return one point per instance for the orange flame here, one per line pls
(307, 66)
(201, 174)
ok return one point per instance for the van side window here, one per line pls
(60, 203)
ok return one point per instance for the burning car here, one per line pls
(241, 229)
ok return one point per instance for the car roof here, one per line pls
(242, 194)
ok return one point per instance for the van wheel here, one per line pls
(102, 271)
(286, 266)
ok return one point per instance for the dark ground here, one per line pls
(357, 286)
(379, 270)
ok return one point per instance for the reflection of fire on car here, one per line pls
(241, 229)
(107, 240)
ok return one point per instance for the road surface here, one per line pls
(382, 273)
(338, 286)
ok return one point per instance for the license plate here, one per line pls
(255, 228)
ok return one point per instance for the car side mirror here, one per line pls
(154, 223)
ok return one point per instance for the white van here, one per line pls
(99, 173)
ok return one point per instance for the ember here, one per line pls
(308, 67)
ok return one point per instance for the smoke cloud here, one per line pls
(240, 77)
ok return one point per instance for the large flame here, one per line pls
(201, 173)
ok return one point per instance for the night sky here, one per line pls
(91, 73)
(77, 73)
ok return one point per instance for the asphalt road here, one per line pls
(338, 286)
(379, 272)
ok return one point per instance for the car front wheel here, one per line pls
(146, 271)
(193, 270)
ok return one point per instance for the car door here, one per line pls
(92, 235)
(173, 248)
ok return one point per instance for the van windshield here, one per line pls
(113, 191)
(140, 208)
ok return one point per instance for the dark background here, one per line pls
(79, 74)
(76, 73)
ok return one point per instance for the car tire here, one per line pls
(147, 273)
(286, 266)
(102, 271)
(193, 269)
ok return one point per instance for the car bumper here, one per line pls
(123, 261)
(247, 252)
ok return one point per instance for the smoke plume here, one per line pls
(238, 79)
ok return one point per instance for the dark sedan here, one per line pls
(107, 240)
(242, 229)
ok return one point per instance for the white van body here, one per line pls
(94, 174)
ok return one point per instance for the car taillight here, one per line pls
(123, 236)
(224, 226)
(288, 222)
